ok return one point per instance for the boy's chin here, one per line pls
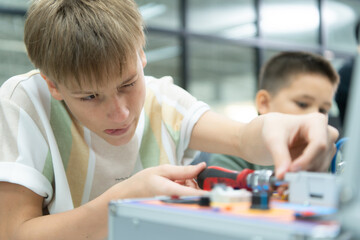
(118, 142)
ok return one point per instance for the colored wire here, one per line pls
(338, 145)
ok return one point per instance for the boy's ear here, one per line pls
(143, 58)
(52, 88)
(262, 101)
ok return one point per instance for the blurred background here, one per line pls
(215, 48)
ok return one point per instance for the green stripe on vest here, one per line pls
(61, 126)
(149, 150)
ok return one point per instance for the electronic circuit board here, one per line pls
(183, 218)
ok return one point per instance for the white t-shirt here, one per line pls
(43, 148)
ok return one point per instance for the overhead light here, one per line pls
(287, 18)
(300, 17)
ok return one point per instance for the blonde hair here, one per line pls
(77, 42)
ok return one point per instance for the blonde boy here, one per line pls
(89, 127)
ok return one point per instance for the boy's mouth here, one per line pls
(117, 132)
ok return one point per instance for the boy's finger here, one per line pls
(282, 159)
(333, 133)
(181, 172)
(187, 182)
(307, 160)
(317, 154)
(185, 190)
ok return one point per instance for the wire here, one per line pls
(338, 145)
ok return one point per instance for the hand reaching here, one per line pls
(301, 142)
(164, 180)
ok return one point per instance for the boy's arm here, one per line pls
(21, 217)
(21, 209)
(290, 142)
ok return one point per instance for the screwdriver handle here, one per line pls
(217, 175)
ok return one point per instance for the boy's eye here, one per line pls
(119, 89)
(302, 104)
(323, 110)
(130, 84)
(88, 98)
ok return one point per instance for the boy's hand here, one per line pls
(302, 142)
(166, 180)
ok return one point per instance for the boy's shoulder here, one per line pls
(14, 83)
(165, 86)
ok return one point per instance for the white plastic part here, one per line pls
(313, 188)
(229, 195)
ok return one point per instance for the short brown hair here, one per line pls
(82, 40)
(279, 70)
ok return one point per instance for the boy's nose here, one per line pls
(117, 110)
